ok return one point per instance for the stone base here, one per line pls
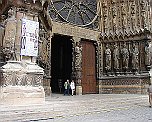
(22, 95)
(47, 87)
(124, 85)
(78, 90)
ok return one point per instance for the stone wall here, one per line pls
(124, 85)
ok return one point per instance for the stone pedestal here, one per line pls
(78, 90)
(21, 83)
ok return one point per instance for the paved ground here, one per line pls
(84, 108)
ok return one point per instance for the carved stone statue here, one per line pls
(116, 57)
(147, 54)
(78, 56)
(144, 13)
(135, 56)
(125, 57)
(108, 58)
(2, 29)
(10, 35)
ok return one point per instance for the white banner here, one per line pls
(29, 39)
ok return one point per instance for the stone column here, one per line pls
(99, 64)
(22, 78)
(47, 77)
(78, 64)
(2, 31)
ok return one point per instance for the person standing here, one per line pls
(150, 95)
(72, 85)
(66, 87)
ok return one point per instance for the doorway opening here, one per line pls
(61, 62)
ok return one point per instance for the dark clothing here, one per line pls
(66, 88)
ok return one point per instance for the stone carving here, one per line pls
(9, 38)
(144, 13)
(114, 13)
(147, 54)
(99, 59)
(116, 57)
(78, 56)
(128, 17)
(44, 50)
(135, 57)
(8, 52)
(105, 18)
(38, 80)
(124, 16)
(8, 79)
(133, 15)
(125, 57)
(108, 58)
(2, 29)
(29, 80)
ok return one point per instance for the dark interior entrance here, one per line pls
(61, 62)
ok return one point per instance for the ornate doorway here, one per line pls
(88, 68)
(61, 62)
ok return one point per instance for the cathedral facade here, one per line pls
(103, 45)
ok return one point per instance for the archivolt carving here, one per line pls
(125, 17)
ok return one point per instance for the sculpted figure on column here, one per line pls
(116, 57)
(147, 54)
(78, 55)
(108, 58)
(135, 57)
(125, 57)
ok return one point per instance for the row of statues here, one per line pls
(125, 58)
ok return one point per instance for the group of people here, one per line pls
(69, 86)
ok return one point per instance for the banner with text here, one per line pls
(29, 39)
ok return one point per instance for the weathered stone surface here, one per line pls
(22, 95)
(78, 90)
(22, 83)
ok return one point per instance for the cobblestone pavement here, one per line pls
(84, 108)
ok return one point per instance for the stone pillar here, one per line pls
(21, 78)
(78, 64)
(99, 64)
(2, 30)
(47, 78)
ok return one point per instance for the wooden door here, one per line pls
(88, 68)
